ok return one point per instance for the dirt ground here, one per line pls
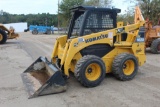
(17, 55)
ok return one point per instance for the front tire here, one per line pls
(3, 36)
(155, 46)
(35, 32)
(48, 32)
(90, 70)
(125, 66)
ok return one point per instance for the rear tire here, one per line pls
(3, 36)
(155, 46)
(90, 71)
(35, 32)
(125, 66)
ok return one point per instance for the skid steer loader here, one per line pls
(93, 47)
(7, 34)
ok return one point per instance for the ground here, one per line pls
(17, 55)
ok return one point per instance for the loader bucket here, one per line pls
(43, 78)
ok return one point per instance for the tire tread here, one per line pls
(79, 65)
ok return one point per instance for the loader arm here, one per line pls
(138, 15)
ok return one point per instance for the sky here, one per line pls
(42, 6)
(122, 4)
(29, 6)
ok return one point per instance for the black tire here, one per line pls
(3, 37)
(35, 32)
(125, 66)
(84, 64)
(48, 32)
(155, 46)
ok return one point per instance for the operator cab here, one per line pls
(87, 19)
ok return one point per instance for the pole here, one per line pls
(58, 16)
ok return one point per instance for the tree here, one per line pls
(127, 17)
(99, 3)
(31, 19)
(150, 9)
(66, 5)
(64, 10)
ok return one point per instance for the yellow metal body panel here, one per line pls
(68, 50)
(120, 24)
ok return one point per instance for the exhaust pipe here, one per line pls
(42, 78)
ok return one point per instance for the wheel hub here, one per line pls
(128, 67)
(89, 70)
(124, 66)
(93, 72)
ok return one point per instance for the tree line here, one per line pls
(31, 19)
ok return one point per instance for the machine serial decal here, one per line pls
(96, 38)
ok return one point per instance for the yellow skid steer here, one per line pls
(94, 46)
